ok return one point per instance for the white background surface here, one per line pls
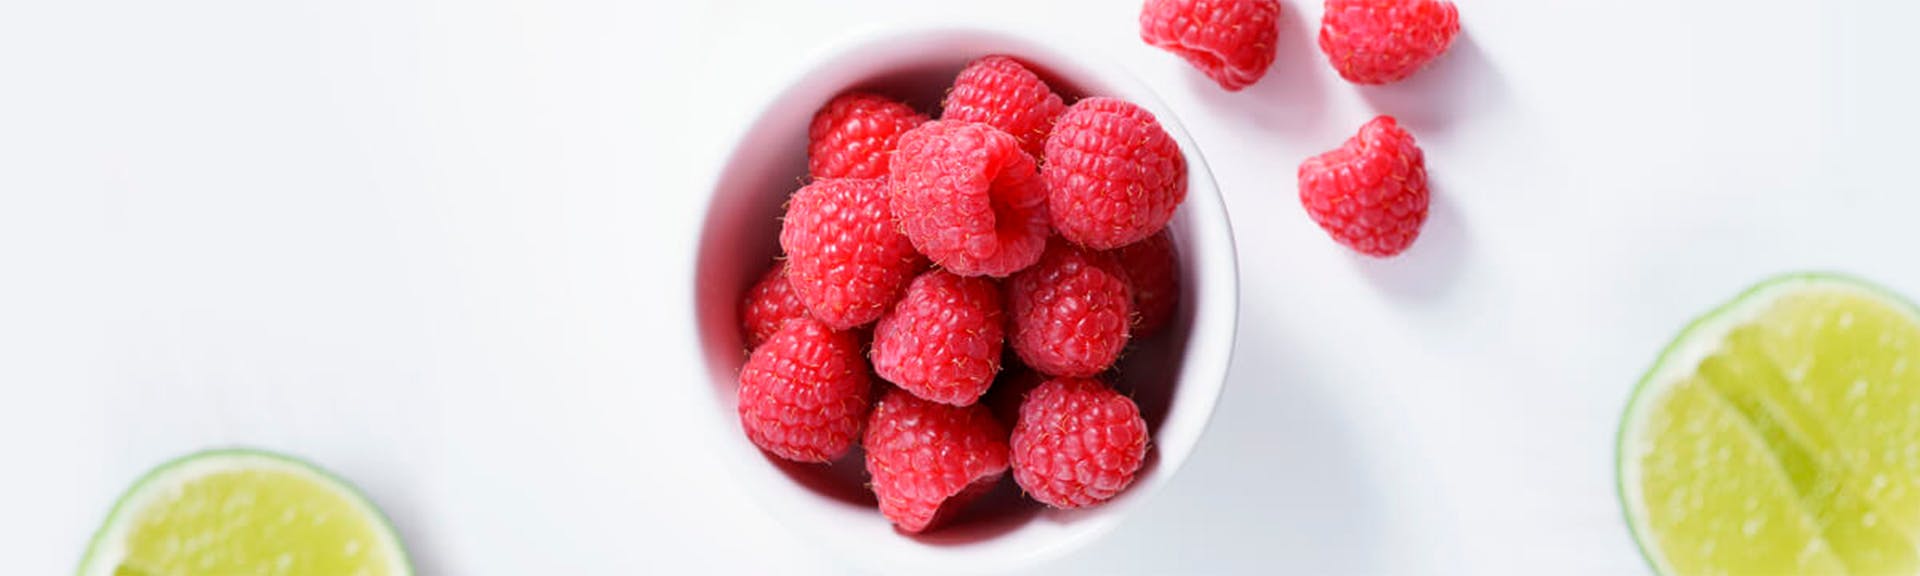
(444, 248)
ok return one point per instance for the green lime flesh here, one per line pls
(243, 512)
(1781, 435)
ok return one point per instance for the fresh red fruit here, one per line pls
(854, 134)
(1153, 267)
(1078, 443)
(1371, 193)
(928, 459)
(1232, 41)
(1113, 175)
(1000, 92)
(803, 393)
(1383, 41)
(1070, 311)
(845, 257)
(942, 340)
(969, 199)
(768, 305)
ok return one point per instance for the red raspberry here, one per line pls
(942, 340)
(1232, 41)
(1371, 193)
(845, 257)
(1000, 92)
(1078, 443)
(853, 135)
(969, 198)
(803, 393)
(768, 305)
(1070, 311)
(1153, 267)
(1382, 41)
(1113, 175)
(928, 459)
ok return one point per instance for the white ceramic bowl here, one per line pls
(1175, 377)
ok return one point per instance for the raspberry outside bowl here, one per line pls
(1175, 376)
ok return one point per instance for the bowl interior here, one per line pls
(1175, 376)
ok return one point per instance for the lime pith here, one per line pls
(243, 512)
(1781, 433)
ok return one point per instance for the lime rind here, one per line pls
(1684, 354)
(107, 546)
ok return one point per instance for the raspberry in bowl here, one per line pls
(953, 334)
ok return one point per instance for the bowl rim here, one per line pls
(1206, 356)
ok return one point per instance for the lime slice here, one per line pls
(243, 512)
(1780, 434)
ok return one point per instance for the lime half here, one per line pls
(243, 512)
(1780, 434)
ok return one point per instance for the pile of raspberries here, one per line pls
(922, 248)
